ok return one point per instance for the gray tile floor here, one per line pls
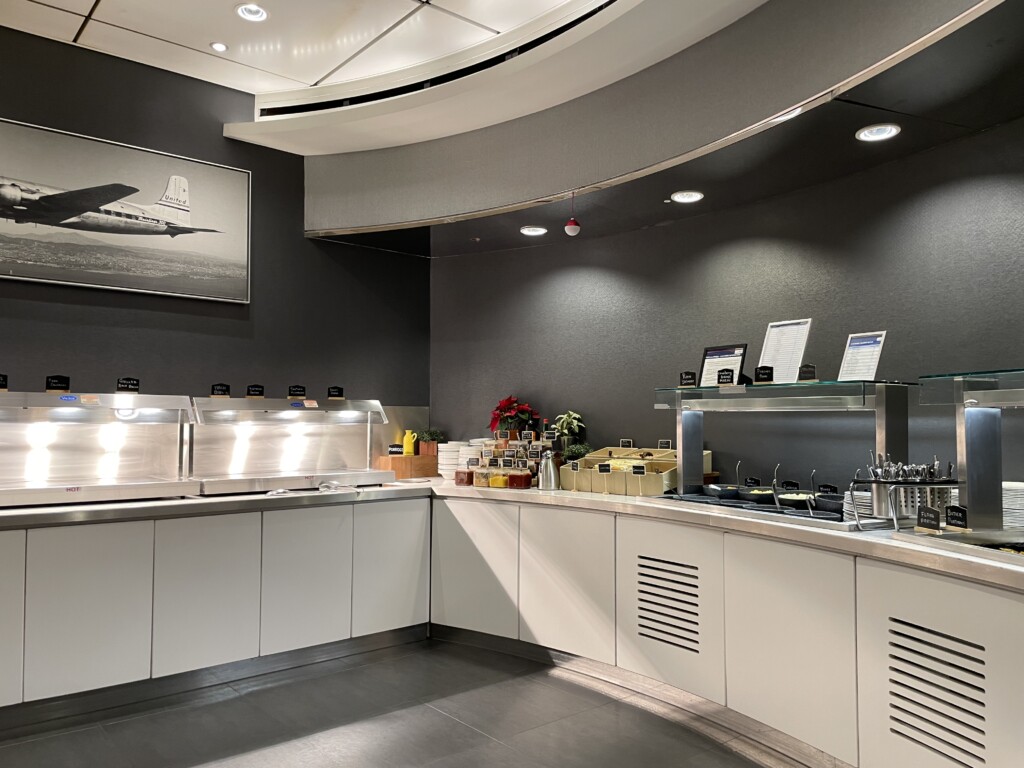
(426, 704)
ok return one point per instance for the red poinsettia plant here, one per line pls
(511, 414)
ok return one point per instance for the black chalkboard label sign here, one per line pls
(807, 373)
(335, 393)
(956, 516)
(510, 453)
(550, 435)
(664, 445)
(128, 384)
(529, 435)
(574, 466)
(639, 469)
(688, 379)
(220, 390)
(726, 376)
(487, 453)
(604, 469)
(508, 463)
(503, 434)
(522, 464)
(494, 462)
(929, 517)
(394, 449)
(625, 443)
(297, 391)
(790, 485)
(764, 374)
(535, 455)
(255, 390)
(57, 383)
(473, 462)
(3, 381)
(826, 488)
(751, 482)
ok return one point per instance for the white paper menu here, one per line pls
(783, 350)
(860, 363)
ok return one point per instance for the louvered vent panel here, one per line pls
(668, 602)
(937, 692)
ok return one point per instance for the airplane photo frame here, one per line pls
(88, 212)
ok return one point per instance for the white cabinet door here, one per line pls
(391, 565)
(567, 580)
(670, 604)
(790, 641)
(206, 592)
(939, 670)
(88, 607)
(12, 615)
(475, 566)
(307, 577)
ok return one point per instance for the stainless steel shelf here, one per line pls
(822, 396)
(256, 484)
(87, 492)
(233, 410)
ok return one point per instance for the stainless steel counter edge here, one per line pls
(876, 545)
(155, 509)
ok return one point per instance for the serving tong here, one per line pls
(898, 472)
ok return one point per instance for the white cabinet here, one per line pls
(391, 565)
(306, 594)
(790, 641)
(670, 623)
(939, 662)
(12, 615)
(475, 566)
(567, 580)
(206, 592)
(88, 607)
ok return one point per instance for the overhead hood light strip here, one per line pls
(458, 74)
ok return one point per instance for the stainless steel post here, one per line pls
(892, 422)
(979, 460)
(690, 449)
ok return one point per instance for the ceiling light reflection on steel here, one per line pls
(533, 231)
(251, 12)
(878, 132)
(219, 47)
(687, 196)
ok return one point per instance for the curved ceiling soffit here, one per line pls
(809, 103)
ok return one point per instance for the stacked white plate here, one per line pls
(1013, 504)
(467, 452)
(448, 458)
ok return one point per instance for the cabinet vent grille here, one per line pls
(668, 602)
(937, 693)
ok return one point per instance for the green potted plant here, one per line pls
(569, 426)
(576, 451)
(427, 440)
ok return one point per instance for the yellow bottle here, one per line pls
(409, 443)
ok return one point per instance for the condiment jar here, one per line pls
(464, 476)
(481, 478)
(520, 478)
(498, 479)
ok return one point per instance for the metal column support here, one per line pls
(689, 449)
(979, 464)
(892, 422)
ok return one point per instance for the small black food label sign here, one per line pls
(503, 434)
(494, 462)
(297, 392)
(688, 379)
(128, 384)
(956, 516)
(764, 374)
(807, 372)
(510, 453)
(790, 485)
(929, 518)
(487, 453)
(751, 482)
(664, 445)
(604, 469)
(220, 390)
(522, 464)
(826, 488)
(508, 463)
(574, 466)
(394, 449)
(550, 435)
(625, 443)
(639, 469)
(255, 391)
(726, 376)
(3, 382)
(473, 462)
(335, 393)
(57, 383)
(533, 454)
(528, 436)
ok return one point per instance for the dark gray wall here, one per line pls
(928, 248)
(320, 313)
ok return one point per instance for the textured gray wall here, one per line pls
(928, 248)
(781, 54)
(321, 313)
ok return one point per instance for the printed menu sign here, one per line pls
(718, 359)
(783, 349)
(860, 362)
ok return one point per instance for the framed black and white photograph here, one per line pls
(83, 211)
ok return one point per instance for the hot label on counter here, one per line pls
(826, 488)
(625, 443)
(297, 392)
(929, 518)
(255, 391)
(790, 485)
(533, 454)
(688, 379)
(604, 469)
(639, 469)
(128, 384)
(751, 482)
(220, 390)
(56, 384)
(726, 376)
(550, 435)
(574, 466)
(335, 393)
(664, 445)
(529, 435)
(956, 517)
(473, 462)
(508, 463)
(503, 434)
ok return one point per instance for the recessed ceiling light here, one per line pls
(251, 12)
(689, 196)
(533, 231)
(219, 47)
(788, 115)
(878, 132)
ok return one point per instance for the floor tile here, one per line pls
(87, 748)
(512, 706)
(493, 755)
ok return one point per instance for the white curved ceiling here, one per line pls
(316, 50)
